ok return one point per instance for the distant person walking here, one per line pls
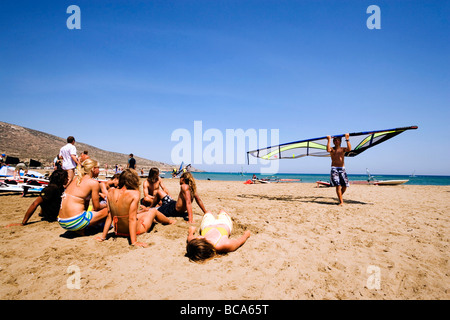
(68, 153)
(131, 162)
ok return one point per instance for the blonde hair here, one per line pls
(85, 168)
(189, 179)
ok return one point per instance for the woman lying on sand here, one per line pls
(214, 237)
(73, 215)
(123, 212)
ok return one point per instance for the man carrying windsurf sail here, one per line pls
(321, 147)
(338, 175)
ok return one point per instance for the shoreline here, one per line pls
(313, 178)
(303, 246)
(439, 180)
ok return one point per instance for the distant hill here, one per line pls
(26, 144)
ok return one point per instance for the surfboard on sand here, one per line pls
(323, 184)
(20, 188)
(389, 182)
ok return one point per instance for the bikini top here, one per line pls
(64, 195)
(217, 232)
(120, 223)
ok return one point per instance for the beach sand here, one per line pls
(384, 243)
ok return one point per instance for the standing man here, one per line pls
(131, 162)
(338, 176)
(68, 153)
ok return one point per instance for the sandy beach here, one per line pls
(384, 243)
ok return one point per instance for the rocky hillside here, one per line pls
(26, 144)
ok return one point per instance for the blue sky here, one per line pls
(138, 70)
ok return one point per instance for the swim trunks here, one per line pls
(164, 200)
(169, 209)
(216, 228)
(76, 223)
(209, 220)
(20, 166)
(338, 177)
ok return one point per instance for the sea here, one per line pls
(312, 178)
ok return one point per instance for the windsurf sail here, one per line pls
(317, 147)
(180, 169)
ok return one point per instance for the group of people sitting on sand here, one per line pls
(117, 203)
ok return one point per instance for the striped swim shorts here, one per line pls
(76, 223)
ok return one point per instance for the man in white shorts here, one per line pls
(69, 158)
